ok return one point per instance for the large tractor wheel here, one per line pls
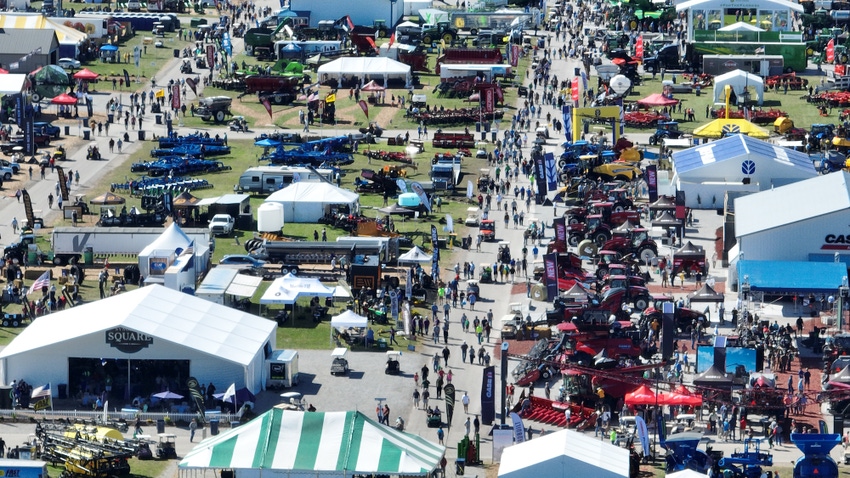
(538, 292)
(573, 240)
(601, 238)
(641, 303)
(219, 116)
(448, 38)
(587, 248)
(647, 254)
(427, 39)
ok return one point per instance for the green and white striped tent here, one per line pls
(288, 443)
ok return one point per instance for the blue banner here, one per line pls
(540, 172)
(519, 428)
(488, 395)
(567, 111)
(551, 172)
(29, 136)
(19, 111)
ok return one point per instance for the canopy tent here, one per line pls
(12, 84)
(308, 201)
(162, 251)
(642, 396)
(680, 396)
(792, 277)
(706, 294)
(657, 99)
(349, 319)
(737, 163)
(289, 443)
(396, 209)
(106, 199)
(564, 453)
(365, 67)
(663, 202)
(287, 289)
(666, 220)
(372, 86)
(85, 74)
(577, 293)
(415, 255)
(713, 377)
(723, 127)
(740, 27)
(64, 99)
(109, 48)
(185, 199)
(267, 143)
(740, 81)
(625, 227)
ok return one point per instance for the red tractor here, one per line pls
(636, 241)
(610, 212)
(594, 229)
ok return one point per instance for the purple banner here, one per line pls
(210, 57)
(652, 182)
(560, 226)
(488, 395)
(550, 263)
(175, 96)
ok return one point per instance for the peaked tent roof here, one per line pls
(723, 127)
(731, 152)
(171, 239)
(317, 443)
(689, 249)
(577, 293)
(824, 195)
(706, 294)
(713, 376)
(738, 80)
(415, 255)
(666, 219)
(286, 289)
(740, 27)
(657, 99)
(158, 311)
(312, 192)
(773, 4)
(564, 453)
(663, 202)
(349, 318)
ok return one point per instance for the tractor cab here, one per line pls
(639, 237)
(621, 198)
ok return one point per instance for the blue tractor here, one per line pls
(815, 460)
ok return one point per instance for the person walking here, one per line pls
(193, 425)
(15, 225)
(416, 398)
(441, 434)
(465, 400)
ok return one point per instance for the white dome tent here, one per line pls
(366, 67)
(308, 202)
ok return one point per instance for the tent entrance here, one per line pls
(90, 377)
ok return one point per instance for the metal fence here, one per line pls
(115, 414)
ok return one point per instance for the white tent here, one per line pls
(287, 289)
(740, 81)
(687, 474)
(366, 68)
(308, 201)
(565, 453)
(159, 254)
(349, 319)
(415, 255)
(147, 324)
(740, 27)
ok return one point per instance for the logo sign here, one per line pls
(551, 172)
(488, 395)
(19, 110)
(277, 371)
(128, 341)
(652, 182)
(488, 101)
(175, 96)
(560, 229)
(836, 242)
(748, 167)
(731, 64)
(394, 306)
(550, 262)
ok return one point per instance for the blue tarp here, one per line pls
(792, 277)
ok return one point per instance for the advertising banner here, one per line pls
(488, 395)
(551, 172)
(652, 182)
(550, 263)
(175, 96)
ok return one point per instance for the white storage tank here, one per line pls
(270, 217)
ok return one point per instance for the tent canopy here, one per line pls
(287, 289)
(171, 239)
(740, 27)
(739, 80)
(160, 312)
(85, 74)
(790, 276)
(12, 84)
(415, 255)
(317, 443)
(657, 99)
(706, 294)
(305, 201)
(564, 453)
(64, 99)
(349, 319)
(722, 127)
(366, 67)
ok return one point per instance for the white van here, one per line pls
(134, 6)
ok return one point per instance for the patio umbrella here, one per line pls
(242, 395)
(64, 99)
(107, 199)
(642, 396)
(167, 395)
(267, 143)
(85, 74)
(109, 48)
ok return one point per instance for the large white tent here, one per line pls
(735, 163)
(366, 68)
(307, 202)
(740, 81)
(159, 254)
(565, 453)
(149, 324)
(415, 255)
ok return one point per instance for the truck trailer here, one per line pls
(69, 243)
(268, 179)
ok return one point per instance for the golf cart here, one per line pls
(473, 216)
(393, 365)
(166, 449)
(239, 124)
(339, 366)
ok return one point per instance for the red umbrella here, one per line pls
(86, 74)
(657, 99)
(64, 99)
(642, 396)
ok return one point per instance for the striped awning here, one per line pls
(330, 442)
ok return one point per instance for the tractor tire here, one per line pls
(573, 240)
(15, 323)
(653, 140)
(641, 303)
(601, 272)
(647, 255)
(619, 208)
(448, 38)
(6, 322)
(36, 97)
(587, 248)
(544, 374)
(564, 177)
(601, 238)
(381, 33)
(278, 99)
(427, 40)
(573, 220)
(538, 292)
(562, 163)
(219, 116)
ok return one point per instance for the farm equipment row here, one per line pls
(388, 156)
(149, 186)
(640, 119)
(173, 140)
(191, 149)
(171, 165)
(454, 116)
(758, 116)
(85, 457)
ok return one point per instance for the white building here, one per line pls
(361, 13)
(165, 336)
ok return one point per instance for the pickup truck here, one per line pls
(221, 224)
